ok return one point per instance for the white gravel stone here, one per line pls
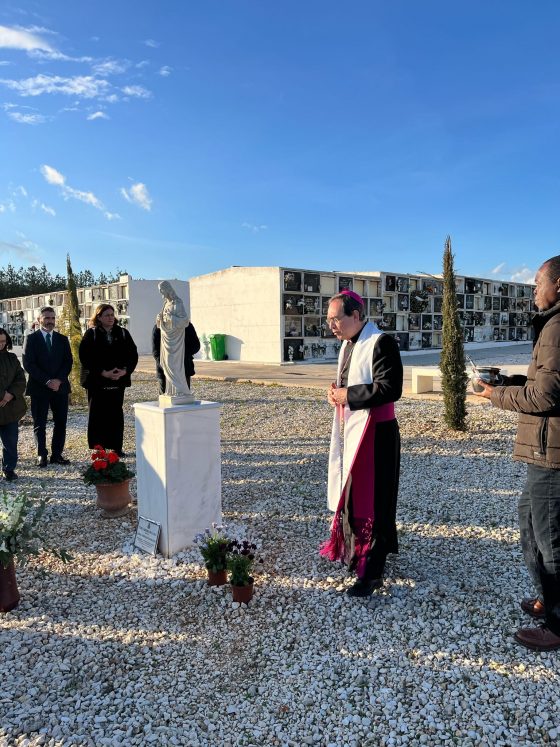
(122, 648)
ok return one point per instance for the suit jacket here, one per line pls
(43, 366)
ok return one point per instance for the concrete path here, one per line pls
(514, 358)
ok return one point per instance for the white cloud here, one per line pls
(20, 190)
(254, 228)
(516, 275)
(98, 115)
(111, 67)
(165, 71)
(151, 43)
(52, 176)
(112, 216)
(498, 268)
(82, 86)
(142, 64)
(24, 39)
(138, 195)
(26, 249)
(137, 91)
(30, 119)
(45, 208)
(88, 197)
(4, 62)
(523, 275)
(9, 206)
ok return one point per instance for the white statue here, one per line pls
(172, 321)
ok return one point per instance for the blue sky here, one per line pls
(176, 138)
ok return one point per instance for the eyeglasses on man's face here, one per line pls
(336, 320)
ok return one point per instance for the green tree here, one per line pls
(452, 362)
(71, 327)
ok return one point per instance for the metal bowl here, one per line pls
(489, 374)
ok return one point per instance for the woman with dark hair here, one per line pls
(12, 404)
(108, 356)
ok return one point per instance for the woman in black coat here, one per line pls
(12, 404)
(108, 356)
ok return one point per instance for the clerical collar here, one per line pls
(354, 339)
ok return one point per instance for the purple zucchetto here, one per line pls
(353, 295)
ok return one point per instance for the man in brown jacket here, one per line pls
(536, 398)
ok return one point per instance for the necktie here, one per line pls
(49, 342)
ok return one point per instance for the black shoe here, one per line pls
(10, 475)
(42, 461)
(59, 460)
(364, 587)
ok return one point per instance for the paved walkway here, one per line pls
(514, 358)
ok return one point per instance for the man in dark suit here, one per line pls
(192, 346)
(47, 358)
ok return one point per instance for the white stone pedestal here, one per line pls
(178, 470)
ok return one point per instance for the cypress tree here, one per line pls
(452, 362)
(70, 323)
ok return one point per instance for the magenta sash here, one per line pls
(362, 472)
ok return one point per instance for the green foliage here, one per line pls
(106, 466)
(452, 361)
(213, 545)
(27, 281)
(240, 560)
(71, 327)
(19, 533)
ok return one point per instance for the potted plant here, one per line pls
(111, 478)
(213, 545)
(240, 560)
(20, 538)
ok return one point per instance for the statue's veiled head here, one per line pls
(167, 290)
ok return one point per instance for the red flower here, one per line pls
(100, 464)
(98, 448)
(112, 457)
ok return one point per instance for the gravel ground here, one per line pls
(119, 648)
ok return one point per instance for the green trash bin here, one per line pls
(218, 347)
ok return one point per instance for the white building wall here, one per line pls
(244, 304)
(144, 304)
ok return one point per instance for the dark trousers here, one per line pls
(106, 418)
(9, 437)
(40, 404)
(539, 526)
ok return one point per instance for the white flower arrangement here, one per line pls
(19, 535)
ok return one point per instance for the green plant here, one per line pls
(71, 327)
(106, 466)
(452, 360)
(19, 533)
(240, 560)
(213, 545)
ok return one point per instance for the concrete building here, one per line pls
(278, 314)
(136, 302)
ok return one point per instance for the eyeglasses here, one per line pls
(335, 320)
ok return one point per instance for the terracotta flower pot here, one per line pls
(217, 578)
(9, 594)
(243, 593)
(113, 497)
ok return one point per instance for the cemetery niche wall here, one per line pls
(409, 307)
